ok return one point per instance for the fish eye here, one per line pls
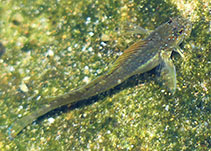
(181, 31)
(170, 21)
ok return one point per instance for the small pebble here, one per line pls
(51, 120)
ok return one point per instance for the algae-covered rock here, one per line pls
(2, 49)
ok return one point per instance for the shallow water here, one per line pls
(55, 46)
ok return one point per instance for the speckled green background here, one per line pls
(54, 46)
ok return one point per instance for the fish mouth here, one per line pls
(187, 26)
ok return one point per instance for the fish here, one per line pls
(142, 56)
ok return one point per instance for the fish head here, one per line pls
(173, 32)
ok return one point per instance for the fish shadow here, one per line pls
(130, 82)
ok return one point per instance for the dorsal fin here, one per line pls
(127, 53)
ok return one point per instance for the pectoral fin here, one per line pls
(168, 73)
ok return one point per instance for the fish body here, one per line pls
(141, 57)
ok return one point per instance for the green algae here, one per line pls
(50, 44)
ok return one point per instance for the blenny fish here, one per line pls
(140, 57)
